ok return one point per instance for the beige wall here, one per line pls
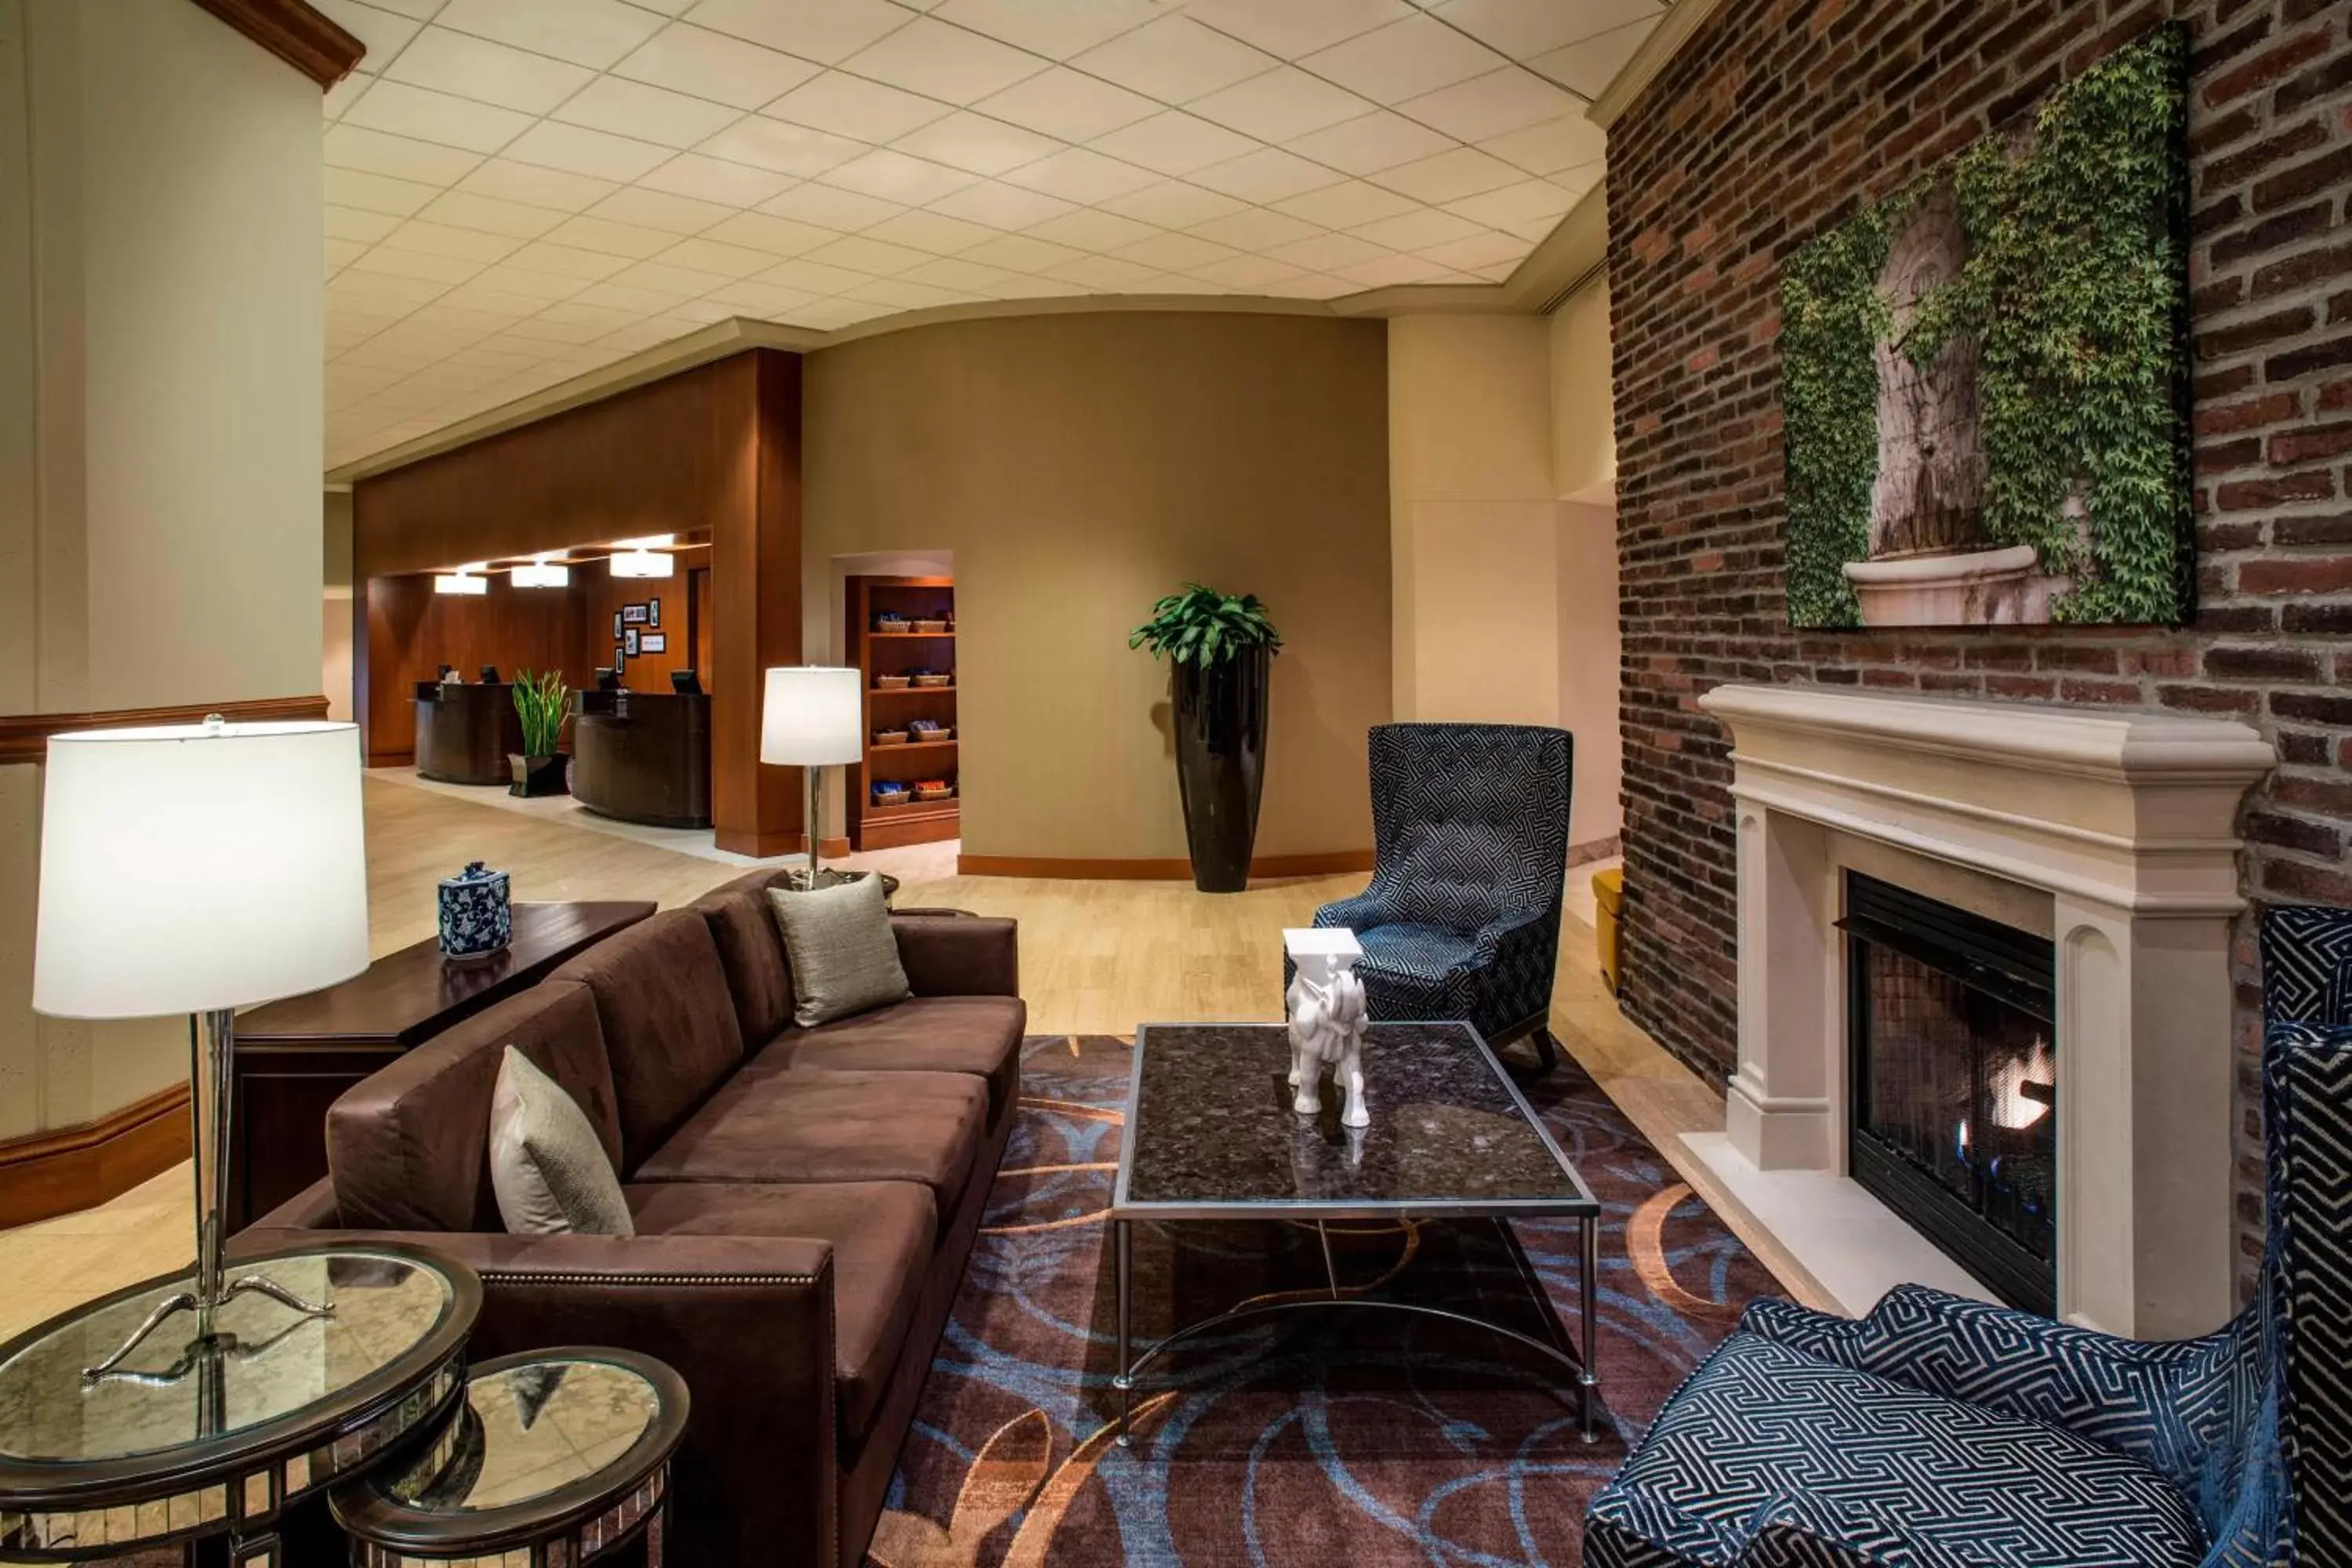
(160, 426)
(1078, 468)
(1584, 433)
(1584, 476)
(335, 626)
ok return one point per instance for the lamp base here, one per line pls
(207, 1339)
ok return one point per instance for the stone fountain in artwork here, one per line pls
(1327, 1022)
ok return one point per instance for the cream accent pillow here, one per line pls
(843, 958)
(547, 1165)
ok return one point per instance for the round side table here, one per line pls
(553, 1460)
(186, 1441)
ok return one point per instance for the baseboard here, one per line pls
(1324, 863)
(1596, 849)
(65, 1169)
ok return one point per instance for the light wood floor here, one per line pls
(1095, 958)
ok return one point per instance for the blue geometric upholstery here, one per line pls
(1940, 1431)
(2306, 964)
(1470, 838)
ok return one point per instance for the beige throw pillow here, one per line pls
(843, 958)
(547, 1164)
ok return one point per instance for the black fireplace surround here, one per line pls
(1954, 1082)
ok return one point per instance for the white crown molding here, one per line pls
(1673, 30)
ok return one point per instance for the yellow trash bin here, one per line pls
(1609, 901)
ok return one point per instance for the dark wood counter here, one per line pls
(643, 756)
(464, 732)
(294, 1058)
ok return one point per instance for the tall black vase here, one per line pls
(1221, 765)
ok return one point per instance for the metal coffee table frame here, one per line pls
(1584, 1208)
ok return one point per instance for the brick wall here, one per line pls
(1776, 121)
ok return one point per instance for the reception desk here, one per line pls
(464, 732)
(643, 756)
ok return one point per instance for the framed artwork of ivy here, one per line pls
(1985, 374)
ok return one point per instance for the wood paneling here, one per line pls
(756, 612)
(68, 1168)
(409, 632)
(304, 38)
(602, 593)
(1261, 866)
(24, 737)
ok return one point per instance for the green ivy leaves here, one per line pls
(1200, 626)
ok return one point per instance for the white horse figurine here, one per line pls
(1327, 1022)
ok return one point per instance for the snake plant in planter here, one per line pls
(543, 700)
(1221, 647)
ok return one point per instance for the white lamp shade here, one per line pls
(190, 867)
(813, 716)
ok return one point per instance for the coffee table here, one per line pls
(1210, 1135)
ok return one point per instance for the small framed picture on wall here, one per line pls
(651, 642)
(653, 612)
(633, 614)
(629, 645)
(619, 664)
(617, 626)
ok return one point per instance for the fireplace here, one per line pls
(1954, 1082)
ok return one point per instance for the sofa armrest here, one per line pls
(746, 1320)
(959, 956)
(312, 1208)
(1358, 912)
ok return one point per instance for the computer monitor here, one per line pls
(490, 674)
(686, 683)
(607, 679)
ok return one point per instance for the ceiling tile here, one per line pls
(776, 236)
(658, 209)
(825, 31)
(1247, 271)
(475, 67)
(1172, 204)
(828, 315)
(863, 255)
(344, 93)
(1175, 60)
(440, 239)
(1552, 146)
(514, 220)
(610, 239)
(1035, 287)
(1001, 206)
(1175, 252)
(544, 287)
(1503, 101)
(593, 33)
(1388, 271)
(577, 150)
(1268, 175)
(1178, 283)
(1417, 230)
(1404, 59)
(1021, 253)
(977, 144)
(1172, 142)
(403, 157)
(852, 106)
(1280, 105)
(785, 149)
(540, 187)
(648, 113)
(1588, 67)
(1449, 176)
(1054, 28)
(1525, 28)
(944, 62)
(1079, 176)
(1377, 141)
(1295, 28)
(1100, 272)
(1254, 228)
(955, 272)
(814, 277)
(690, 280)
(1090, 228)
(567, 260)
(755, 298)
(376, 193)
(1328, 252)
(398, 263)
(712, 64)
(706, 179)
(906, 295)
(1528, 201)
(643, 301)
(385, 33)
(894, 176)
(930, 231)
(351, 223)
(1068, 105)
(1485, 248)
(406, 111)
(714, 256)
(827, 207)
(1534, 231)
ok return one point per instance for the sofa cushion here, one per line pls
(409, 1146)
(881, 1234)
(844, 955)
(668, 1022)
(548, 1167)
(751, 952)
(975, 1035)
(774, 1125)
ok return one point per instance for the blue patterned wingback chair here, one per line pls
(1470, 858)
(1939, 1432)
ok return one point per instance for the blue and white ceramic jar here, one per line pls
(477, 916)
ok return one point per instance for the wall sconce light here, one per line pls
(646, 557)
(541, 573)
(465, 579)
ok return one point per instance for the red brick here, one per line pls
(2266, 69)
(2311, 442)
(2297, 574)
(2249, 413)
(2245, 495)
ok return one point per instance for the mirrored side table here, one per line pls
(555, 1459)
(182, 1444)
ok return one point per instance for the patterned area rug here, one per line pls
(1339, 1437)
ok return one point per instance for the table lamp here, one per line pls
(812, 717)
(198, 868)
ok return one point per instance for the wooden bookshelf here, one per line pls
(876, 654)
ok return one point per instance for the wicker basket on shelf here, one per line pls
(934, 792)
(890, 737)
(930, 626)
(934, 679)
(890, 797)
(890, 683)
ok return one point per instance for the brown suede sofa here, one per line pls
(804, 1199)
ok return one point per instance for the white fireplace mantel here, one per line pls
(2126, 823)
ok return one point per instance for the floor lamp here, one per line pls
(199, 869)
(812, 717)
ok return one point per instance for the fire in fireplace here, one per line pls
(1955, 1082)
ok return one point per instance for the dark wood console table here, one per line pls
(295, 1056)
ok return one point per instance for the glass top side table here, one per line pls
(182, 1442)
(554, 1458)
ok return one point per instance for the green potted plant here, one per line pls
(543, 701)
(1221, 648)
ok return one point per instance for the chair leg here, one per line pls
(1547, 1049)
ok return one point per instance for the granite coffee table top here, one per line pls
(1211, 1134)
